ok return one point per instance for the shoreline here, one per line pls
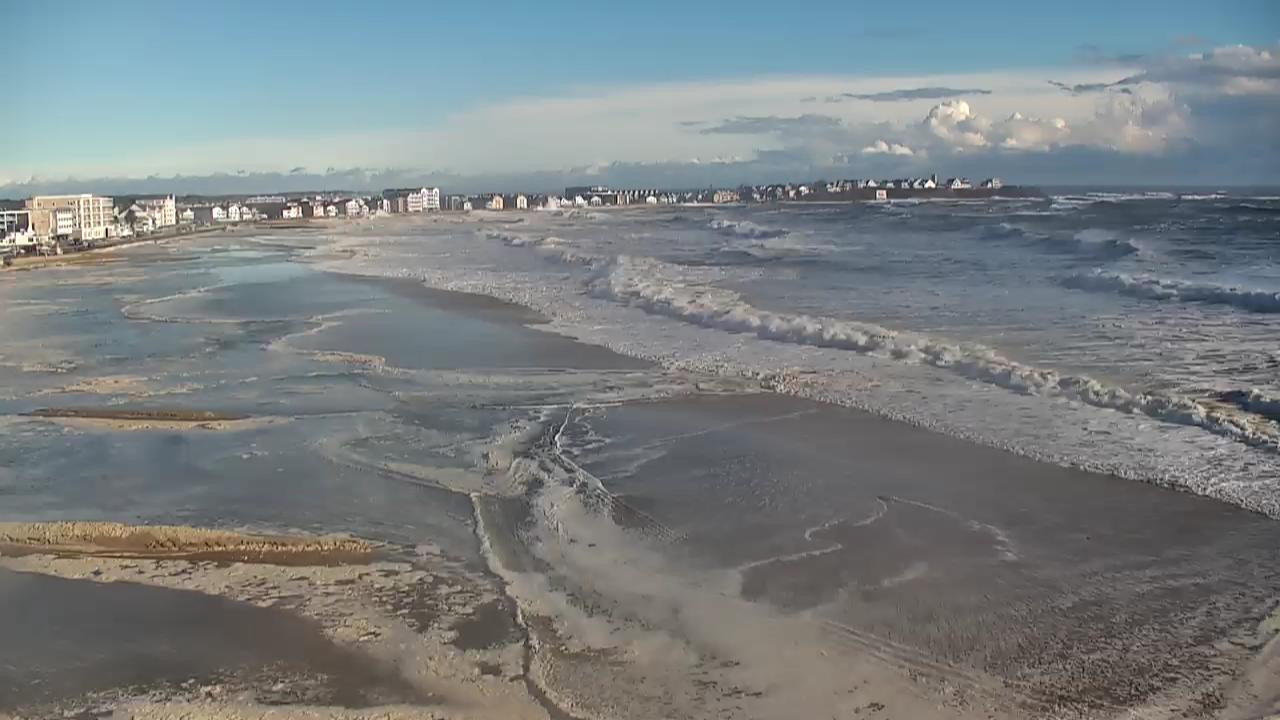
(794, 380)
(532, 476)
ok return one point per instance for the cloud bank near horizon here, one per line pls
(1202, 118)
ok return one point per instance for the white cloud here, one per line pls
(955, 124)
(880, 147)
(1142, 108)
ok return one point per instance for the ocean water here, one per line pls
(1133, 333)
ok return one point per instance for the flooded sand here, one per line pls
(569, 532)
(956, 561)
(72, 638)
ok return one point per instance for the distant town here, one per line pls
(54, 224)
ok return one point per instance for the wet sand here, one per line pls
(1079, 590)
(567, 531)
(72, 638)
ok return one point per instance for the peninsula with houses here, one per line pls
(55, 224)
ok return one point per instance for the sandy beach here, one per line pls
(235, 484)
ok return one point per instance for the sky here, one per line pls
(251, 96)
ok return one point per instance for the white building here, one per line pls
(291, 212)
(187, 216)
(16, 232)
(75, 217)
(522, 202)
(218, 213)
(992, 183)
(494, 203)
(163, 211)
(430, 199)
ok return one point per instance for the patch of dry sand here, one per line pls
(169, 420)
(110, 539)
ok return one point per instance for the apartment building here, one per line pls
(163, 211)
(80, 218)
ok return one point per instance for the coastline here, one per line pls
(448, 360)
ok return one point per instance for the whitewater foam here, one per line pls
(1150, 287)
(1104, 243)
(647, 284)
(745, 228)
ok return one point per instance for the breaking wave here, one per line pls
(647, 284)
(1104, 243)
(1254, 401)
(745, 228)
(1091, 242)
(1150, 287)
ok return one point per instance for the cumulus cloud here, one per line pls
(880, 147)
(921, 93)
(1123, 123)
(955, 124)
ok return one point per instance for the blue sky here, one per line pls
(239, 87)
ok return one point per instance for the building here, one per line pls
(16, 233)
(138, 219)
(163, 211)
(78, 218)
(522, 202)
(187, 216)
(992, 183)
(425, 200)
(412, 200)
(725, 196)
(494, 203)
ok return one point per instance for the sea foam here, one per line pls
(650, 285)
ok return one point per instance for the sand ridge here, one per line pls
(109, 539)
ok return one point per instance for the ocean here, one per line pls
(1134, 333)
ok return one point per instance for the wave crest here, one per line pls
(746, 228)
(1150, 287)
(647, 284)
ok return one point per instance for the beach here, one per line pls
(378, 488)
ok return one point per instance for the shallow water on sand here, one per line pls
(678, 544)
(69, 638)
